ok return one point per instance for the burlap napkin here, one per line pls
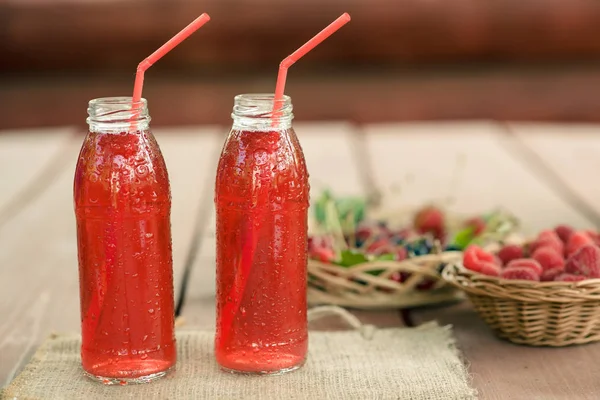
(400, 363)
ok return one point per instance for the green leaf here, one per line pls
(320, 207)
(385, 257)
(464, 237)
(349, 258)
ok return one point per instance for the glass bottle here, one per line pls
(261, 199)
(122, 206)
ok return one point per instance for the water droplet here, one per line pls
(149, 235)
(261, 156)
(151, 311)
(243, 310)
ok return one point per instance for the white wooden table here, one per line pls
(542, 173)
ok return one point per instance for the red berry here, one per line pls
(430, 220)
(547, 238)
(400, 276)
(526, 263)
(576, 242)
(510, 252)
(401, 254)
(564, 232)
(586, 262)
(475, 255)
(322, 254)
(477, 223)
(380, 246)
(551, 274)
(595, 236)
(569, 278)
(548, 257)
(426, 284)
(519, 272)
(488, 268)
(478, 260)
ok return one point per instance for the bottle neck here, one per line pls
(118, 115)
(261, 113)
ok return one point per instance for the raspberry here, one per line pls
(475, 255)
(533, 265)
(576, 242)
(321, 248)
(548, 258)
(477, 224)
(322, 254)
(547, 238)
(564, 232)
(401, 254)
(551, 274)
(510, 252)
(427, 284)
(521, 273)
(487, 268)
(569, 278)
(430, 220)
(400, 276)
(595, 236)
(586, 262)
(380, 246)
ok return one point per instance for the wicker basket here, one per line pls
(357, 288)
(533, 313)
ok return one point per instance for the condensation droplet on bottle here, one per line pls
(261, 157)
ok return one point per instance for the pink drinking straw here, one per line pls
(98, 300)
(239, 285)
(162, 50)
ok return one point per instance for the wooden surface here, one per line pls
(542, 173)
(396, 93)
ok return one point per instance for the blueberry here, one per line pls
(419, 248)
(397, 240)
(452, 247)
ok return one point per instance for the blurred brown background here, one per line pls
(397, 60)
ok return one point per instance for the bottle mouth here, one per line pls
(117, 111)
(262, 105)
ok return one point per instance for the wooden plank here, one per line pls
(39, 256)
(331, 152)
(188, 154)
(28, 159)
(501, 370)
(570, 153)
(471, 167)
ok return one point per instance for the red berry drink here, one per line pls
(122, 205)
(261, 199)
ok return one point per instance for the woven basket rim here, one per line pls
(521, 290)
(444, 256)
(357, 286)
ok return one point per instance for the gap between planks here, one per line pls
(531, 160)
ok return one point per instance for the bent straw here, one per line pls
(98, 299)
(162, 50)
(249, 248)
